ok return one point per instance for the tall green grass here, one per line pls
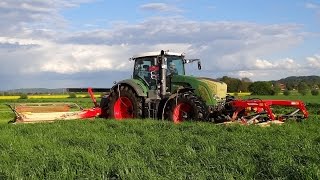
(159, 150)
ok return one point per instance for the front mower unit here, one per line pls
(48, 112)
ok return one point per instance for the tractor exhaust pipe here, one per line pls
(163, 70)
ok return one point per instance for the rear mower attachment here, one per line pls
(262, 112)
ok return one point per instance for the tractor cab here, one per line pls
(147, 67)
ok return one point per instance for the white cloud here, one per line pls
(20, 41)
(243, 74)
(19, 18)
(314, 62)
(263, 64)
(222, 46)
(286, 63)
(310, 5)
(84, 58)
(161, 7)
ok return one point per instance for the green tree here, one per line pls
(315, 92)
(244, 85)
(72, 95)
(315, 86)
(303, 88)
(261, 88)
(276, 89)
(245, 79)
(23, 96)
(232, 83)
(286, 92)
(290, 86)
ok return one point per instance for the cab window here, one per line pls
(175, 65)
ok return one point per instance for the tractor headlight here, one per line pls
(216, 97)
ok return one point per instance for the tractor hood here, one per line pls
(218, 88)
(211, 91)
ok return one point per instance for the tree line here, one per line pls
(303, 84)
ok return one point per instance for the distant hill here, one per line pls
(293, 81)
(297, 79)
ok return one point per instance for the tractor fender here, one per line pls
(136, 85)
(180, 90)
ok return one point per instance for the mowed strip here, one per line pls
(46, 96)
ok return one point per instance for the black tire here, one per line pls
(104, 106)
(188, 106)
(129, 103)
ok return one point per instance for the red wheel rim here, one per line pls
(123, 108)
(181, 110)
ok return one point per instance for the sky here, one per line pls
(82, 43)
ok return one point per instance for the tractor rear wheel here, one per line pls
(124, 104)
(187, 106)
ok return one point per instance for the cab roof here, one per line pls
(148, 54)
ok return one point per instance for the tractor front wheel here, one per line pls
(187, 106)
(124, 104)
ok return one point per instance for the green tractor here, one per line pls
(160, 89)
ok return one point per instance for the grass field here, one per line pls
(150, 149)
(307, 98)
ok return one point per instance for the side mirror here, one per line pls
(199, 65)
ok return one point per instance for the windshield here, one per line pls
(142, 65)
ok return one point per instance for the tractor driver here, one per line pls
(145, 73)
(172, 69)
